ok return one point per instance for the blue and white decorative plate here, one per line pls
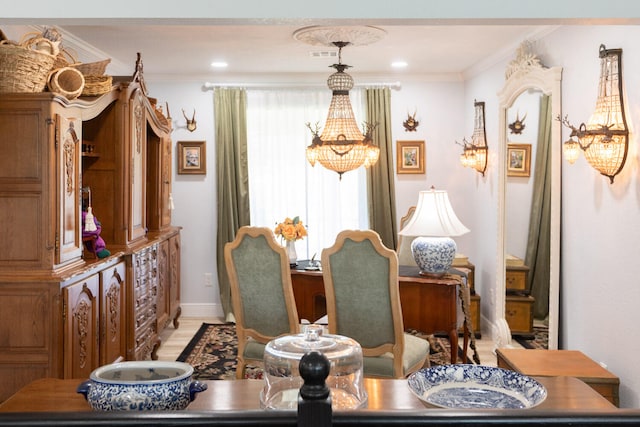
(476, 387)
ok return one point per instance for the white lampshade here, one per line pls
(434, 217)
(432, 224)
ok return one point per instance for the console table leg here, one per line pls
(453, 340)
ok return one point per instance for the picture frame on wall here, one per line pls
(410, 157)
(519, 160)
(192, 158)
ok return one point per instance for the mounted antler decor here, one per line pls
(411, 124)
(518, 124)
(191, 123)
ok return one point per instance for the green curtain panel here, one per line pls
(538, 243)
(380, 179)
(232, 172)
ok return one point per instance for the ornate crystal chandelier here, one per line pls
(342, 146)
(605, 137)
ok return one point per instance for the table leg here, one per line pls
(453, 340)
(464, 294)
(468, 328)
(465, 341)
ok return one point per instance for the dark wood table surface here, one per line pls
(56, 395)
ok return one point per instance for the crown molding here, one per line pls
(507, 52)
(86, 52)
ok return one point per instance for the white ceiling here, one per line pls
(264, 52)
(179, 39)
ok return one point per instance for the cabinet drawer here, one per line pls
(140, 285)
(144, 344)
(145, 315)
(519, 314)
(516, 279)
(143, 303)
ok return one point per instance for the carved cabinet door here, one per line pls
(113, 344)
(69, 221)
(162, 300)
(166, 200)
(137, 157)
(81, 350)
(174, 278)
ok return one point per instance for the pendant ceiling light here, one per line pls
(341, 146)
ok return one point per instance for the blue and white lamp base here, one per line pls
(433, 255)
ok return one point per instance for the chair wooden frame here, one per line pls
(404, 221)
(395, 348)
(244, 333)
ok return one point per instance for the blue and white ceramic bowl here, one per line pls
(141, 386)
(476, 387)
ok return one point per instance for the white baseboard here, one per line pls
(488, 330)
(202, 310)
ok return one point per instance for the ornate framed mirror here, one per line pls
(529, 83)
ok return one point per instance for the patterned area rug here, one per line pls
(539, 340)
(212, 352)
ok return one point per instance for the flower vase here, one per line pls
(291, 251)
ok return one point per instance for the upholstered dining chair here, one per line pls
(405, 256)
(261, 292)
(363, 302)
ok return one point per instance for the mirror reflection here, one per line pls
(527, 214)
(529, 200)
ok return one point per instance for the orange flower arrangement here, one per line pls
(291, 229)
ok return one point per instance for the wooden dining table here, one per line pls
(58, 395)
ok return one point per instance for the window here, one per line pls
(281, 181)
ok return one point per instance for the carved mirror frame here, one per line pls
(524, 73)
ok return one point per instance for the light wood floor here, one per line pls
(175, 340)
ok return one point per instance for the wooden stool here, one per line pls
(556, 363)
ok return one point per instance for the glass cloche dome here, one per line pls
(282, 376)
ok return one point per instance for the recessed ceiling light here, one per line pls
(399, 64)
(219, 64)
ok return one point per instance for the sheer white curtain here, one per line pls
(281, 181)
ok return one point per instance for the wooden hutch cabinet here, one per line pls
(64, 311)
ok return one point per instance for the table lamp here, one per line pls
(433, 223)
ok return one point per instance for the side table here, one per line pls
(554, 363)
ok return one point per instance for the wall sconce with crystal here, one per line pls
(475, 153)
(604, 139)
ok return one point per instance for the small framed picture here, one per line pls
(410, 156)
(192, 158)
(519, 160)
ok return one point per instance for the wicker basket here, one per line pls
(66, 81)
(36, 41)
(25, 67)
(66, 58)
(96, 85)
(93, 68)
